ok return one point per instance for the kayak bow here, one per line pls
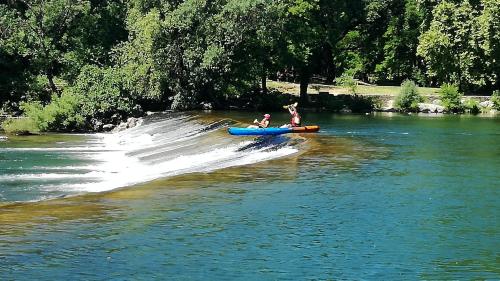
(270, 131)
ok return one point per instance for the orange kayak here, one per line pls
(305, 129)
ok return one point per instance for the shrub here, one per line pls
(98, 94)
(20, 126)
(61, 114)
(451, 98)
(408, 97)
(348, 82)
(472, 106)
(359, 104)
(495, 99)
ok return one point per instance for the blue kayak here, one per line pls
(258, 131)
(272, 131)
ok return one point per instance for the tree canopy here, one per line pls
(178, 53)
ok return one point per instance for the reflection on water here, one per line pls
(20, 217)
(369, 197)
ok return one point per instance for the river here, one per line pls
(374, 197)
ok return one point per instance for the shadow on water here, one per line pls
(269, 142)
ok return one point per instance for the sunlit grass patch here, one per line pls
(20, 126)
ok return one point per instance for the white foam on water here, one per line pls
(66, 168)
(118, 169)
(42, 176)
(145, 153)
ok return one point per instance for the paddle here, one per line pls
(293, 105)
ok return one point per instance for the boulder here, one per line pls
(430, 108)
(137, 110)
(108, 127)
(487, 103)
(96, 124)
(439, 109)
(437, 102)
(121, 127)
(130, 123)
(3, 138)
(134, 122)
(115, 118)
(423, 107)
(206, 106)
(389, 107)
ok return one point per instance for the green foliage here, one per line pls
(205, 48)
(408, 97)
(14, 78)
(348, 82)
(20, 126)
(135, 58)
(451, 98)
(61, 114)
(400, 44)
(97, 94)
(352, 60)
(112, 56)
(459, 47)
(472, 106)
(495, 99)
(56, 38)
(102, 94)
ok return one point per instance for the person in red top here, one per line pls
(262, 124)
(295, 120)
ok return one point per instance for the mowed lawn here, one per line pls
(294, 88)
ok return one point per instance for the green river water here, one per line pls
(370, 197)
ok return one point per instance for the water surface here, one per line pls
(372, 197)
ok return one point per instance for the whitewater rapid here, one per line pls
(164, 145)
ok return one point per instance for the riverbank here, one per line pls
(368, 98)
(321, 98)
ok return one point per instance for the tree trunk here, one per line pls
(264, 80)
(330, 75)
(52, 85)
(305, 76)
(329, 65)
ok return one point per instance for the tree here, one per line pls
(14, 72)
(489, 22)
(400, 43)
(136, 57)
(459, 47)
(57, 37)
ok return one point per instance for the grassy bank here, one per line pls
(19, 126)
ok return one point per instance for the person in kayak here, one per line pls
(296, 120)
(262, 124)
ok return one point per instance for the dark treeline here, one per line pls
(70, 63)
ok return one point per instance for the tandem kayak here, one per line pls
(272, 131)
